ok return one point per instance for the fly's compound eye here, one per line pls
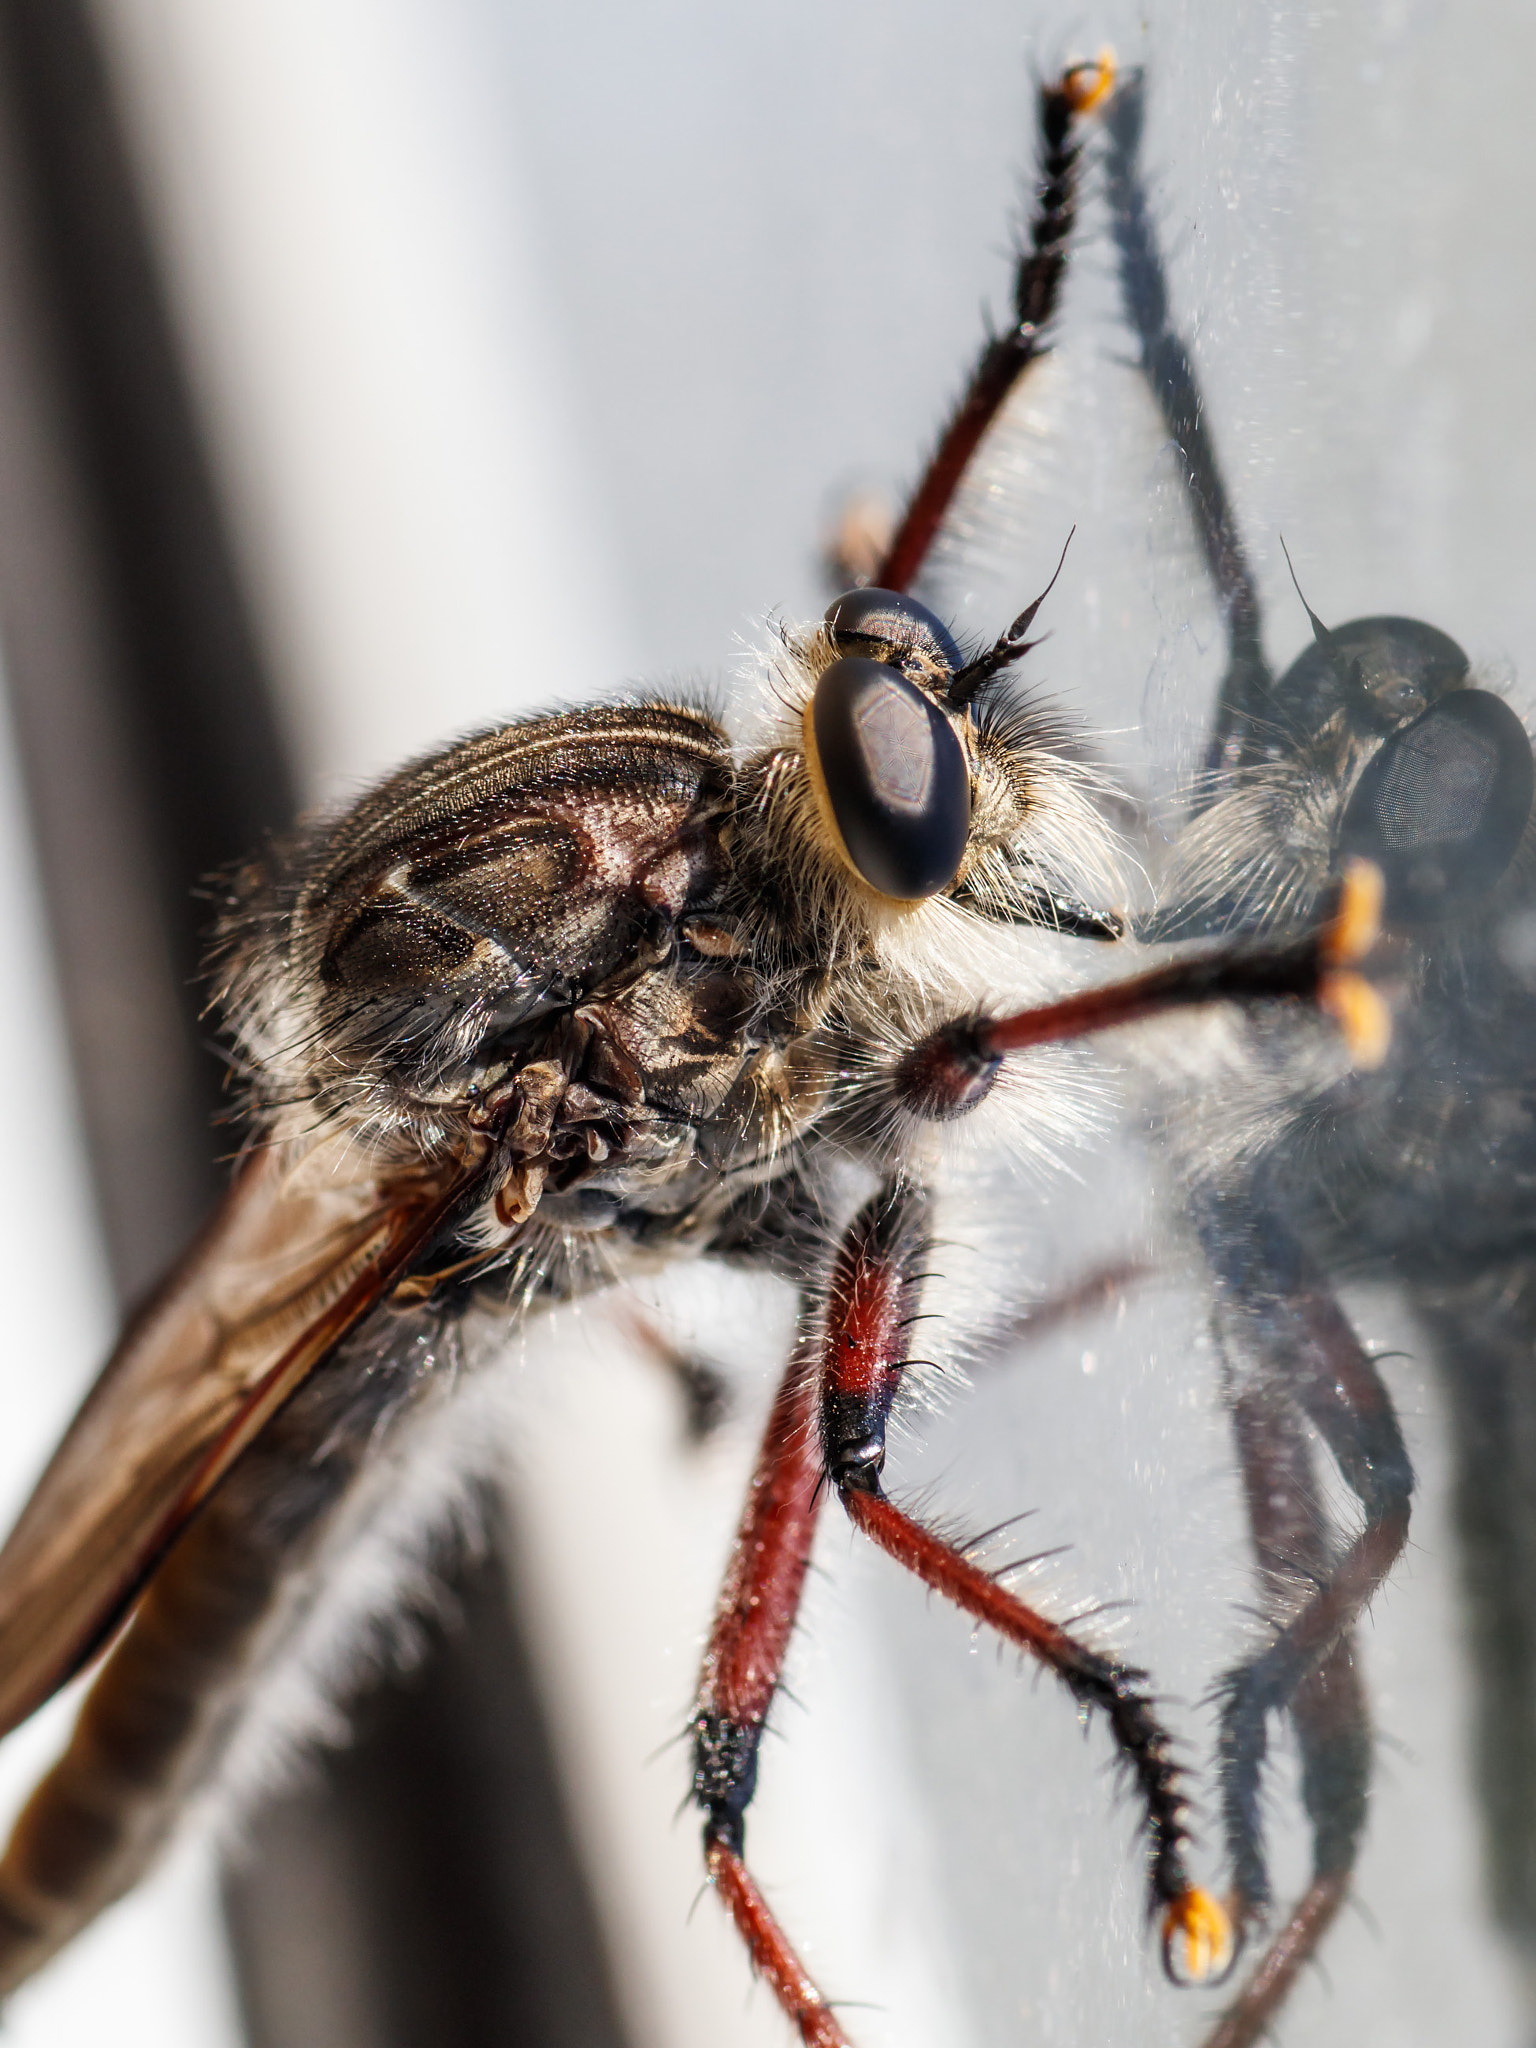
(889, 627)
(892, 773)
(1443, 804)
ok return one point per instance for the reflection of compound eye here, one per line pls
(893, 774)
(1443, 804)
(889, 627)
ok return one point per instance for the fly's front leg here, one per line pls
(950, 1070)
(1038, 274)
(871, 1305)
(1314, 1369)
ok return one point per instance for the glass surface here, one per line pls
(540, 346)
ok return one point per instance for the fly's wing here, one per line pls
(296, 1256)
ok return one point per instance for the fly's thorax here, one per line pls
(548, 892)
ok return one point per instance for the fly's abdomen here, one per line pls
(224, 1606)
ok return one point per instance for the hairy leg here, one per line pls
(828, 1423)
(1313, 1370)
(1038, 272)
(871, 1307)
(1170, 373)
(743, 1663)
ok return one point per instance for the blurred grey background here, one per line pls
(369, 371)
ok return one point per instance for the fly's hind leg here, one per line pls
(743, 1662)
(1309, 1368)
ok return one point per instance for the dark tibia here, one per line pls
(872, 1300)
(1041, 265)
(1170, 374)
(1486, 1343)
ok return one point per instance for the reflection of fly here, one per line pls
(560, 1002)
(1301, 1172)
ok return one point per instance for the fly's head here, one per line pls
(906, 801)
(1376, 743)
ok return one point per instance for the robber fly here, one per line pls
(556, 1004)
(1297, 1175)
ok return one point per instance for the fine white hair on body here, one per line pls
(360, 1605)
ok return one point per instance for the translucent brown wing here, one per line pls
(296, 1255)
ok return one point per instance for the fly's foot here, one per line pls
(1087, 85)
(1200, 1943)
(1354, 1005)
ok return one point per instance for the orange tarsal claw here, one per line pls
(1090, 83)
(1198, 1941)
(1360, 1014)
(1349, 998)
(1356, 924)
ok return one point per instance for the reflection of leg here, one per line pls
(742, 1667)
(1331, 1725)
(1486, 1343)
(1293, 1556)
(1312, 1366)
(1327, 1709)
(1100, 1288)
(1170, 374)
(701, 1384)
(871, 1306)
(1040, 268)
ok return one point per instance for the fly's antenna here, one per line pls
(1008, 648)
(1320, 632)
